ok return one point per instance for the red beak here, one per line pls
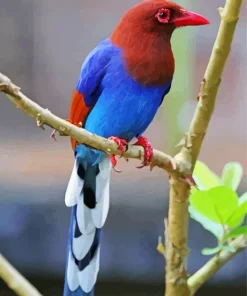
(189, 18)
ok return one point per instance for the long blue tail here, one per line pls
(88, 195)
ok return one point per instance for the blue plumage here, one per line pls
(123, 107)
(93, 71)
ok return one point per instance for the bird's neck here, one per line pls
(148, 55)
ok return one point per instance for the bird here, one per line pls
(121, 85)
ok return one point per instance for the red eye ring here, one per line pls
(163, 15)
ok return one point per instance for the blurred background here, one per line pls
(42, 46)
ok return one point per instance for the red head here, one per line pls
(144, 34)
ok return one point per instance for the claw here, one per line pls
(148, 151)
(140, 167)
(114, 163)
(122, 146)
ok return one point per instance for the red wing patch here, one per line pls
(78, 112)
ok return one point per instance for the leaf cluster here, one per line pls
(216, 205)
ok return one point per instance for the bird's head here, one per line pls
(158, 16)
(144, 34)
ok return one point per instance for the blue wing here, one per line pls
(93, 71)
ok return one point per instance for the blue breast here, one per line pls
(125, 108)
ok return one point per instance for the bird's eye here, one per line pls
(163, 15)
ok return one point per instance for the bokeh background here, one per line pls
(42, 46)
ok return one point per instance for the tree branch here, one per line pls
(210, 85)
(176, 243)
(214, 265)
(44, 116)
(15, 280)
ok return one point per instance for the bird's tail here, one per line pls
(88, 195)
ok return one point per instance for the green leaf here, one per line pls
(237, 216)
(217, 204)
(215, 228)
(211, 251)
(236, 232)
(204, 177)
(232, 175)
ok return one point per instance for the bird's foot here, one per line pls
(122, 146)
(148, 151)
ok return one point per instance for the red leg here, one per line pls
(148, 151)
(122, 146)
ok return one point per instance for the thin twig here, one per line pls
(15, 280)
(176, 245)
(214, 265)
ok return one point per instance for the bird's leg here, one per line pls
(148, 151)
(122, 146)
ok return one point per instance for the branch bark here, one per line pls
(214, 265)
(15, 280)
(176, 242)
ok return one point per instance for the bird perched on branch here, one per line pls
(121, 85)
